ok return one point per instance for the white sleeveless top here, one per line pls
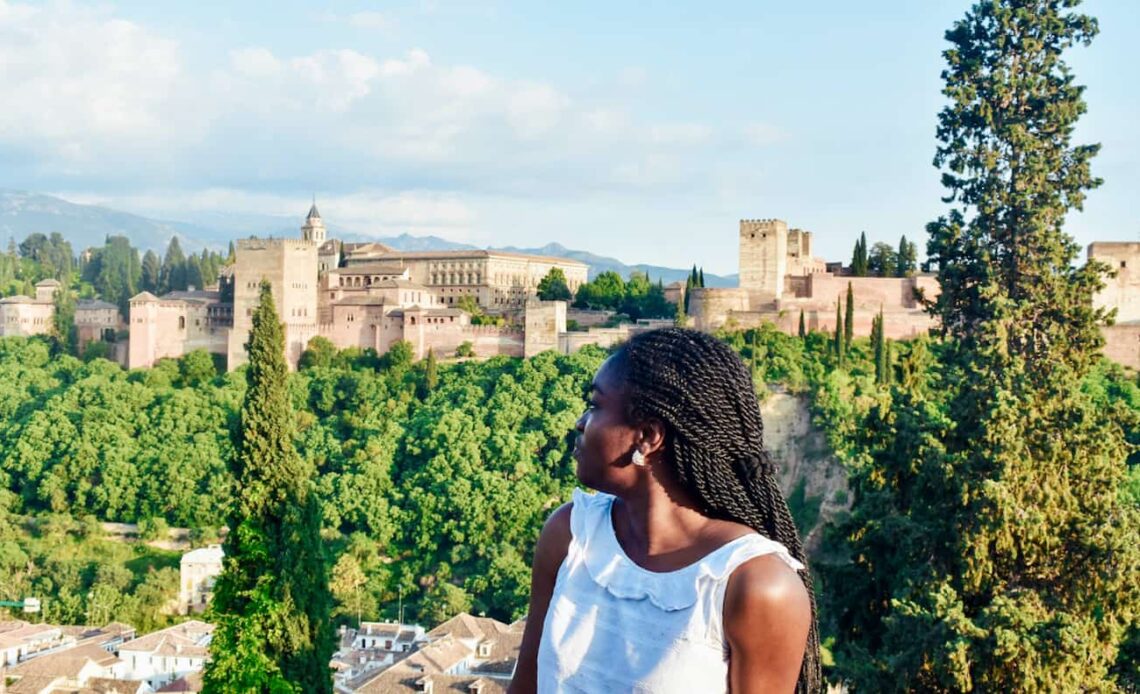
(613, 626)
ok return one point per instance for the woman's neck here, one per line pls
(659, 525)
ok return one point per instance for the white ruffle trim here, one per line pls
(608, 565)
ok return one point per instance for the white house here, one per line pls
(163, 656)
(199, 570)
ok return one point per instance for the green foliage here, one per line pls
(553, 286)
(275, 579)
(63, 327)
(849, 320)
(52, 254)
(638, 298)
(991, 545)
(907, 260)
(465, 349)
(115, 271)
(81, 577)
(859, 261)
(883, 260)
(839, 347)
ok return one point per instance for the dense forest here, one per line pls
(435, 477)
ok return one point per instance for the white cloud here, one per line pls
(89, 88)
(684, 134)
(255, 62)
(534, 109)
(370, 20)
(76, 81)
(764, 134)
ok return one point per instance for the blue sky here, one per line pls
(633, 130)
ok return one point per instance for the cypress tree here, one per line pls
(996, 550)
(803, 326)
(151, 272)
(838, 345)
(882, 351)
(431, 374)
(859, 257)
(701, 278)
(173, 267)
(849, 319)
(272, 604)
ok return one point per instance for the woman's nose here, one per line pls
(580, 425)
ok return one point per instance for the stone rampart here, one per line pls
(1122, 344)
(711, 307)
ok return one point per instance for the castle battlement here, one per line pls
(488, 330)
(258, 244)
(769, 220)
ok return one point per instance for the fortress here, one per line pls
(357, 295)
(780, 278)
(369, 296)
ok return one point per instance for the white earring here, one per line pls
(638, 458)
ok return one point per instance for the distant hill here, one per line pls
(599, 264)
(23, 213)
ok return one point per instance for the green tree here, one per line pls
(849, 319)
(803, 326)
(272, 604)
(838, 346)
(320, 352)
(883, 260)
(606, 291)
(431, 375)
(151, 272)
(553, 286)
(173, 275)
(63, 320)
(907, 258)
(348, 588)
(115, 271)
(1012, 561)
(882, 349)
(859, 256)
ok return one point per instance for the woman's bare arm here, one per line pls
(767, 615)
(548, 555)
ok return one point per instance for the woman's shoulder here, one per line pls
(766, 590)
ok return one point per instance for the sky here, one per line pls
(642, 131)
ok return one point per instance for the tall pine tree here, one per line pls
(839, 347)
(849, 319)
(993, 549)
(803, 326)
(272, 605)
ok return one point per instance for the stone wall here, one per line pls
(710, 307)
(545, 320)
(1121, 292)
(290, 266)
(1122, 344)
(763, 258)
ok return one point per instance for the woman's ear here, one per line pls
(652, 436)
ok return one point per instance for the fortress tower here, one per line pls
(314, 228)
(290, 265)
(763, 259)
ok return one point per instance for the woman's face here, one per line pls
(605, 439)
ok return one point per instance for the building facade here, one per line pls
(780, 278)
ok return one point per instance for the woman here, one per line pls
(684, 573)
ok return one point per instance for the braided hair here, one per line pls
(703, 394)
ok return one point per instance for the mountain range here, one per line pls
(23, 213)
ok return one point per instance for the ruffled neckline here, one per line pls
(611, 568)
